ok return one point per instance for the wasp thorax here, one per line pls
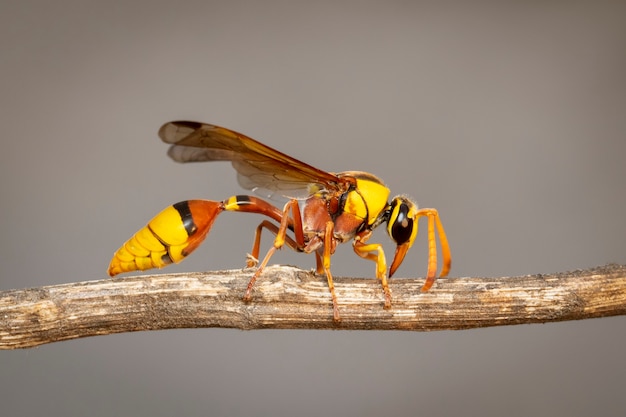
(402, 226)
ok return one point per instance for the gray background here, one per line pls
(507, 117)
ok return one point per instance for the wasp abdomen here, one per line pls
(168, 238)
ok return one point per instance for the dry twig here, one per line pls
(287, 297)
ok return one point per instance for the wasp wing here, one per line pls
(258, 166)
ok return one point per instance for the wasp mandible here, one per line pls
(323, 210)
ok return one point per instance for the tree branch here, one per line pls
(290, 298)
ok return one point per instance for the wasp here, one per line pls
(323, 209)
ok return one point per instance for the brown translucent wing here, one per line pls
(259, 167)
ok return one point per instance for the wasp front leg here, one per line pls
(374, 252)
(402, 228)
(168, 238)
(434, 220)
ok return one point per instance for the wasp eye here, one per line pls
(400, 224)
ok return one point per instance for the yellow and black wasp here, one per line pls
(324, 209)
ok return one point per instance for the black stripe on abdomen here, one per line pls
(186, 217)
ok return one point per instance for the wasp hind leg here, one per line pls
(255, 205)
(252, 259)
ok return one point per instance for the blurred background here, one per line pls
(508, 117)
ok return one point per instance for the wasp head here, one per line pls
(402, 228)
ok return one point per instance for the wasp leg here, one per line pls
(319, 265)
(293, 223)
(250, 204)
(366, 251)
(329, 248)
(280, 239)
(433, 220)
(253, 257)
